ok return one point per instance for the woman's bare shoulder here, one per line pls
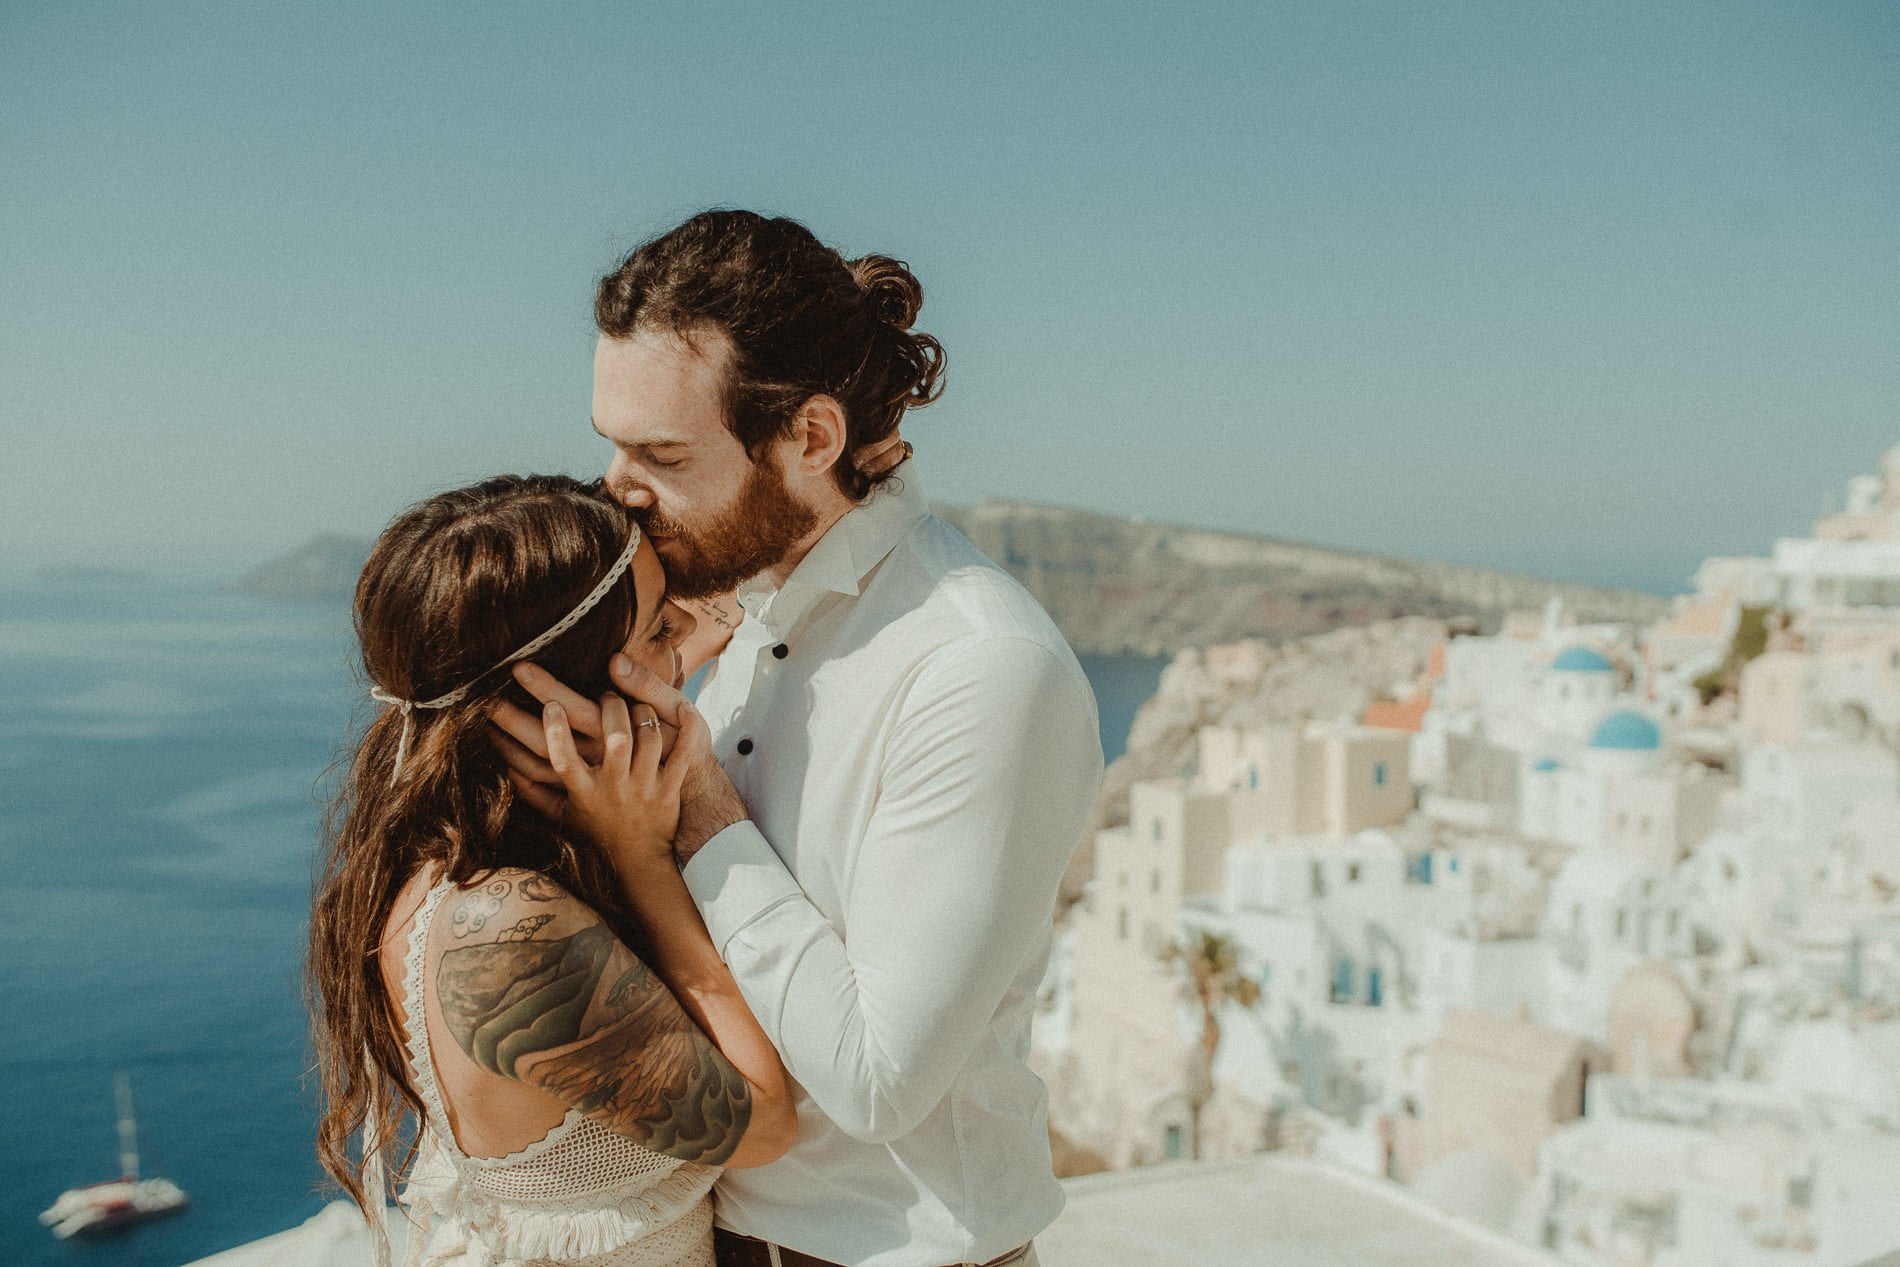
(508, 905)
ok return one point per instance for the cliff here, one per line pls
(1117, 585)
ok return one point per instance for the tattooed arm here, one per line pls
(534, 987)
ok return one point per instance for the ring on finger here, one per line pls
(651, 721)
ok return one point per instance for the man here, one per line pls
(908, 751)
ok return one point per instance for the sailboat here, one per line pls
(116, 1202)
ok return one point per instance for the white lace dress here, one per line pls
(581, 1196)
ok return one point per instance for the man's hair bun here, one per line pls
(893, 293)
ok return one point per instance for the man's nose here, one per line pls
(626, 485)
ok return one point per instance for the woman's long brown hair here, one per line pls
(453, 585)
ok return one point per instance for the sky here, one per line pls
(1581, 290)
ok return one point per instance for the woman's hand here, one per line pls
(709, 802)
(629, 803)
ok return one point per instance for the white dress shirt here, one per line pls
(919, 752)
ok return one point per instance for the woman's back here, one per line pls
(545, 1183)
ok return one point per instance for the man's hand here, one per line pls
(522, 739)
(708, 802)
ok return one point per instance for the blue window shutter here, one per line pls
(1342, 981)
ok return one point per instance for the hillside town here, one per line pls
(1584, 933)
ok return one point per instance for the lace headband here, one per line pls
(460, 693)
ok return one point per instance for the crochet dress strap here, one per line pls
(582, 1195)
(415, 1014)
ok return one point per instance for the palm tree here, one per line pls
(1210, 964)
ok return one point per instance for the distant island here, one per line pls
(1130, 586)
(90, 574)
(321, 570)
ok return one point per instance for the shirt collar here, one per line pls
(844, 556)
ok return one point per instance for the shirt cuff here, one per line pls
(735, 878)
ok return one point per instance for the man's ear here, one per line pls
(818, 431)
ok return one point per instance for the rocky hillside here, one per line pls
(1119, 585)
(1324, 677)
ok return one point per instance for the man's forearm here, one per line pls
(706, 811)
(984, 791)
(876, 1034)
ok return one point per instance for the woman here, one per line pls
(551, 1010)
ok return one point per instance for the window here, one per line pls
(1176, 1142)
(1156, 831)
(1253, 771)
(1342, 981)
(1154, 881)
(1378, 774)
(1352, 873)
(1373, 994)
(1622, 923)
(1315, 879)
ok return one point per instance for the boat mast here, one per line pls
(128, 1128)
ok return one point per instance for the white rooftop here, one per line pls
(1265, 1209)
(334, 1236)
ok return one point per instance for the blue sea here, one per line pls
(164, 753)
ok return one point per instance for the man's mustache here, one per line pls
(655, 525)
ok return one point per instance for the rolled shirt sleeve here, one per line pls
(991, 770)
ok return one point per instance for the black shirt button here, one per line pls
(745, 747)
(781, 651)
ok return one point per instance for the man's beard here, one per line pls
(754, 531)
